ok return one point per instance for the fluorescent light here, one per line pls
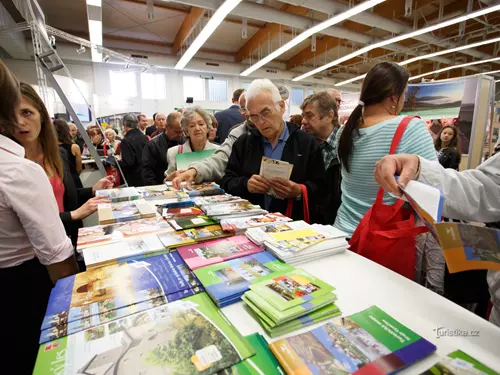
(498, 80)
(428, 56)
(311, 31)
(208, 30)
(491, 72)
(96, 3)
(95, 31)
(454, 67)
(399, 38)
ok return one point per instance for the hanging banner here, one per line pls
(349, 101)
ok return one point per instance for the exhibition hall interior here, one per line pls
(252, 187)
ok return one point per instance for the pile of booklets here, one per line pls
(240, 225)
(290, 301)
(232, 210)
(296, 242)
(368, 342)
(120, 195)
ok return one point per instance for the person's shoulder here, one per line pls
(22, 170)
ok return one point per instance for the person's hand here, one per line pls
(187, 176)
(258, 184)
(88, 208)
(104, 183)
(405, 166)
(173, 175)
(285, 188)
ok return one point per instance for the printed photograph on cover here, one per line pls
(243, 272)
(269, 218)
(151, 346)
(125, 209)
(217, 250)
(289, 289)
(280, 227)
(206, 232)
(479, 243)
(188, 275)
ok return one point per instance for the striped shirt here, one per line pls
(359, 188)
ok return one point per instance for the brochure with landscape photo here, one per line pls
(119, 194)
(239, 225)
(191, 222)
(459, 363)
(109, 213)
(177, 213)
(207, 233)
(368, 342)
(156, 192)
(233, 208)
(188, 337)
(291, 289)
(260, 234)
(103, 289)
(262, 363)
(465, 246)
(212, 252)
(172, 240)
(204, 189)
(225, 282)
(217, 199)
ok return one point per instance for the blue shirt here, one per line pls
(276, 153)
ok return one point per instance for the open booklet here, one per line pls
(272, 168)
(465, 246)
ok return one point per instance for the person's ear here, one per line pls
(282, 107)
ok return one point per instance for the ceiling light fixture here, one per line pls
(399, 38)
(81, 50)
(310, 32)
(208, 30)
(454, 67)
(428, 56)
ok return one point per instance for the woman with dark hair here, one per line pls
(72, 150)
(448, 148)
(34, 249)
(367, 137)
(38, 137)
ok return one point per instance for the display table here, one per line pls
(361, 283)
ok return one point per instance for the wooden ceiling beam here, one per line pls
(188, 25)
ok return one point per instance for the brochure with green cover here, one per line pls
(280, 317)
(291, 289)
(263, 362)
(188, 337)
(191, 222)
(459, 363)
(185, 159)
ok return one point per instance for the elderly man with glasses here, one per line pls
(275, 139)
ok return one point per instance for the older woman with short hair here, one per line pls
(196, 124)
(111, 142)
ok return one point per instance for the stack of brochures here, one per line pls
(175, 239)
(296, 242)
(459, 363)
(290, 301)
(212, 252)
(191, 222)
(233, 210)
(155, 192)
(368, 342)
(181, 200)
(109, 213)
(204, 189)
(240, 225)
(177, 213)
(102, 294)
(184, 337)
(226, 282)
(119, 194)
(202, 202)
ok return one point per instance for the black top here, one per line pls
(449, 158)
(300, 149)
(132, 147)
(151, 131)
(328, 206)
(154, 159)
(226, 120)
(72, 164)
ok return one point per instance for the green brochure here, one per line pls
(185, 159)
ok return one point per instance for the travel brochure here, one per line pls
(185, 159)
(188, 337)
(225, 282)
(119, 195)
(155, 192)
(109, 213)
(240, 225)
(191, 222)
(104, 289)
(465, 246)
(272, 168)
(178, 213)
(229, 210)
(368, 342)
(217, 199)
(459, 363)
(204, 189)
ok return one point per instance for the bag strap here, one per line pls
(180, 149)
(396, 139)
(305, 203)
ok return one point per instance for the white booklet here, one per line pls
(272, 168)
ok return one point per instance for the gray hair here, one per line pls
(262, 85)
(130, 121)
(190, 113)
(109, 130)
(326, 104)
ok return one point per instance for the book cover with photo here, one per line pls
(225, 282)
(177, 213)
(459, 363)
(368, 342)
(119, 194)
(204, 189)
(174, 239)
(109, 316)
(212, 252)
(191, 222)
(188, 337)
(103, 289)
(260, 234)
(238, 225)
(233, 208)
(217, 199)
(109, 213)
(207, 233)
(153, 192)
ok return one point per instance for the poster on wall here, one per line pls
(349, 101)
(443, 104)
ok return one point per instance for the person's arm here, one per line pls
(31, 197)
(171, 158)
(149, 163)
(234, 182)
(75, 150)
(472, 195)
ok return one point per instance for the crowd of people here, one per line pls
(42, 200)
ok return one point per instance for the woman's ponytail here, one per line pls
(346, 143)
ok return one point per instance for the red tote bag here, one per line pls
(386, 234)
(305, 202)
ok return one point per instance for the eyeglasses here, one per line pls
(264, 114)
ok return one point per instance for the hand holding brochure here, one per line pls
(272, 168)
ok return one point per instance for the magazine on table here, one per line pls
(368, 342)
(109, 213)
(203, 189)
(465, 246)
(177, 213)
(216, 199)
(191, 222)
(119, 194)
(459, 363)
(239, 225)
(154, 192)
(103, 289)
(189, 337)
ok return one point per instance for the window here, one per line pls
(245, 85)
(153, 86)
(123, 84)
(310, 92)
(194, 87)
(217, 90)
(297, 96)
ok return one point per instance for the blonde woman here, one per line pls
(196, 124)
(111, 141)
